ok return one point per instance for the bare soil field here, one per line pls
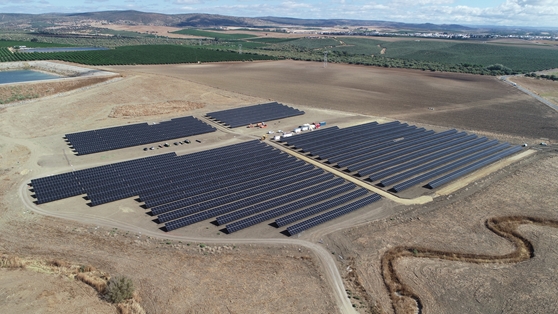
(48, 293)
(544, 88)
(470, 102)
(451, 286)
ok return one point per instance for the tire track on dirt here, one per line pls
(401, 295)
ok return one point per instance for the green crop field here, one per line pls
(272, 40)
(314, 43)
(156, 54)
(521, 59)
(359, 46)
(28, 44)
(195, 32)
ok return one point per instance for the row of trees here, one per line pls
(552, 77)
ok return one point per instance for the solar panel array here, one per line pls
(100, 140)
(254, 114)
(399, 155)
(239, 185)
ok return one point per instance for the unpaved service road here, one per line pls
(471, 102)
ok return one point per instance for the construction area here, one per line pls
(376, 208)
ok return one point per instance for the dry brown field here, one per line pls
(273, 273)
(471, 102)
(544, 88)
(456, 224)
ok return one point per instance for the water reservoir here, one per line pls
(18, 76)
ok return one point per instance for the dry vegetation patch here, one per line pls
(127, 301)
(505, 227)
(14, 93)
(144, 110)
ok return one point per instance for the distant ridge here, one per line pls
(212, 20)
(346, 22)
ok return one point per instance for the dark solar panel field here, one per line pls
(238, 185)
(398, 156)
(95, 141)
(244, 116)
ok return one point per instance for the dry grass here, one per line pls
(404, 300)
(145, 110)
(99, 284)
(59, 263)
(131, 306)
(11, 262)
(11, 93)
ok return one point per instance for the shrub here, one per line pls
(118, 289)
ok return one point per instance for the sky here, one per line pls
(534, 13)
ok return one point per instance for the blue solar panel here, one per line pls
(312, 222)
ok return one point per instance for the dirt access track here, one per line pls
(254, 273)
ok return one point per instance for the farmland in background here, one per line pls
(156, 54)
(462, 56)
(201, 33)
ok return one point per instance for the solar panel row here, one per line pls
(242, 181)
(283, 221)
(95, 141)
(271, 177)
(254, 114)
(260, 182)
(312, 222)
(82, 181)
(261, 217)
(392, 152)
(278, 198)
(245, 198)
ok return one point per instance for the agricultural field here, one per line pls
(126, 55)
(459, 56)
(36, 44)
(521, 59)
(441, 55)
(216, 35)
(493, 108)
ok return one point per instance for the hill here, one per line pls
(208, 20)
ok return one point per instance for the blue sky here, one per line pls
(493, 12)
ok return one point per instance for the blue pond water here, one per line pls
(62, 49)
(24, 76)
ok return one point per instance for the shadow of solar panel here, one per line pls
(322, 218)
